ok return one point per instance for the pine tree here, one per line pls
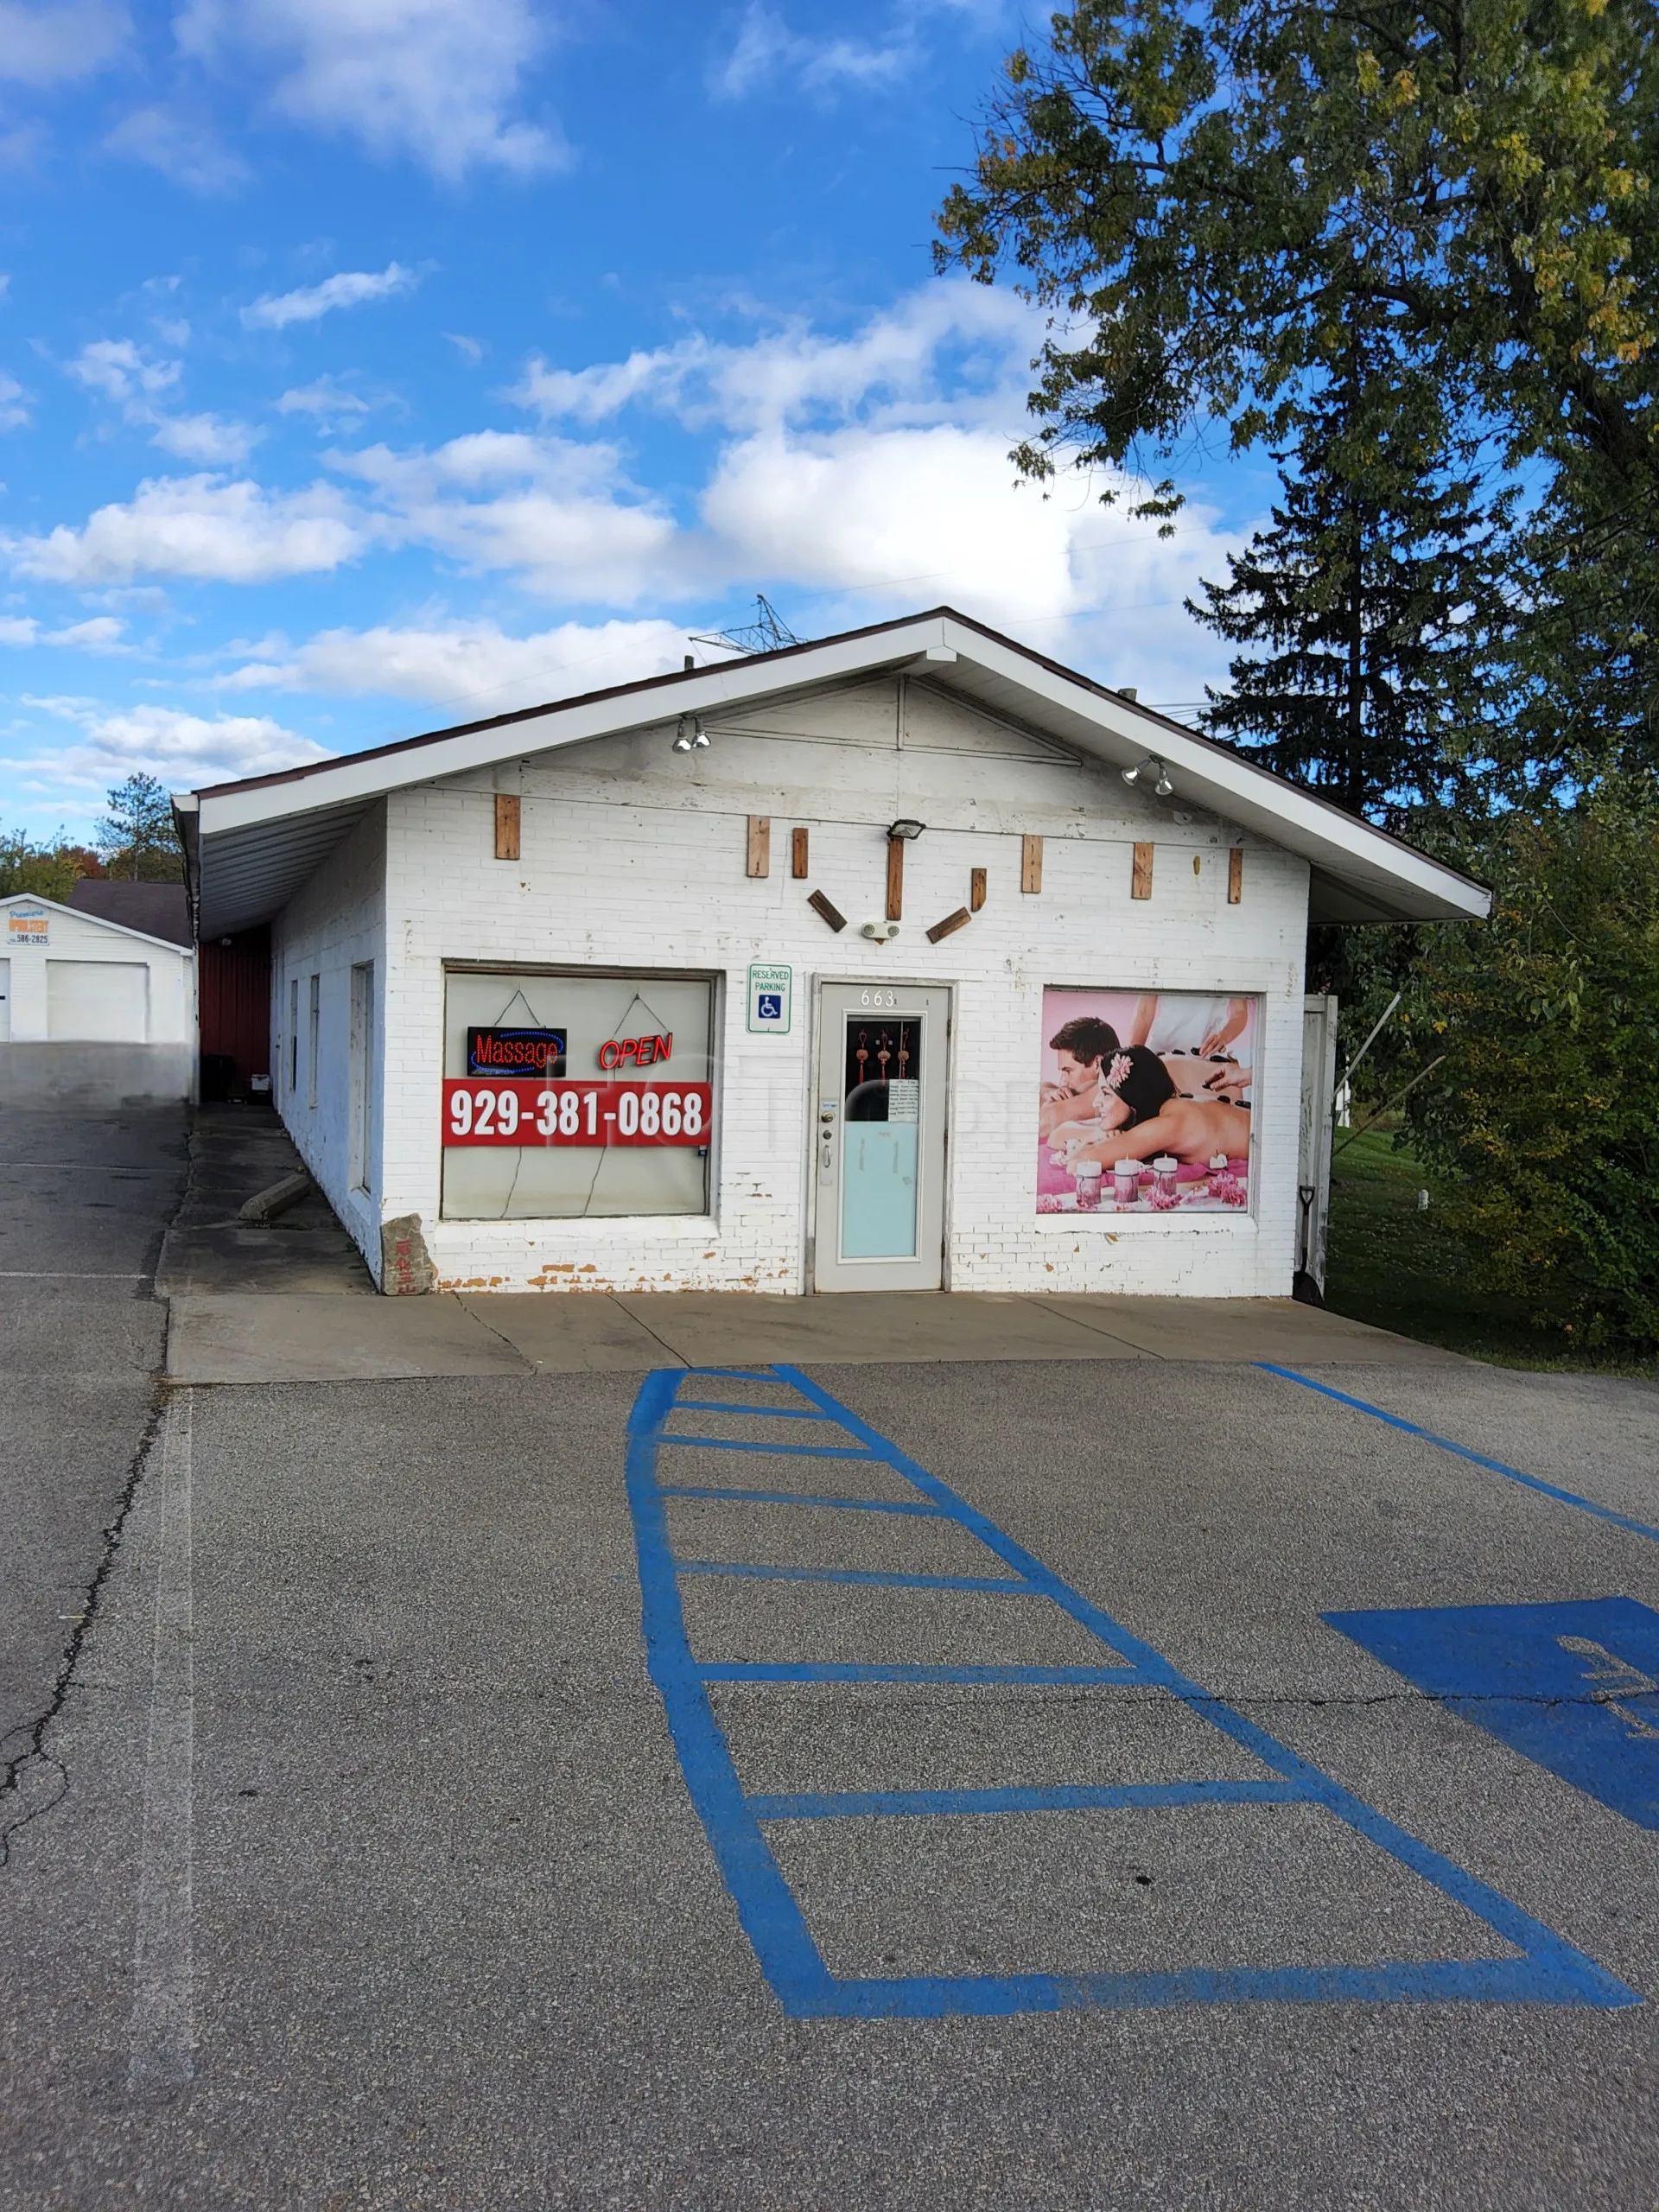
(136, 836)
(1375, 594)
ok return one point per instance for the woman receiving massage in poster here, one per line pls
(1142, 1116)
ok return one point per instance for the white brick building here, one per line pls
(570, 892)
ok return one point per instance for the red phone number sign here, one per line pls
(525, 1112)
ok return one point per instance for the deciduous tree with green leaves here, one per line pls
(47, 867)
(1544, 1108)
(1211, 198)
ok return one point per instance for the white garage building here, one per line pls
(900, 959)
(92, 1013)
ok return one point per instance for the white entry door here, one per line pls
(879, 1113)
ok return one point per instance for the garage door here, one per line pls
(106, 1001)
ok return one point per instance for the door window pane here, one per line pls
(880, 1127)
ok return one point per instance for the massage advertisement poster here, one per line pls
(1145, 1101)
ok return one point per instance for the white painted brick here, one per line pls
(633, 858)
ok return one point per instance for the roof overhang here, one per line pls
(251, 845)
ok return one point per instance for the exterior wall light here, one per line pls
(691, 737)
(1151, 764)
(905, 830)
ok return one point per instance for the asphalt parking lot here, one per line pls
(1027, 1834)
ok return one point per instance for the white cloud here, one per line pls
(57, 43)
(197, 526)
(14, 403)
(562, 515)
(471, 350)
(436, 79)
(766, 50)
(330, 402)
(182, 749)
(473, 667)
(209, 440)
(115, 368)
(181, 146)
(872, 470)
(351, 287)
(102, 634)
(947, 353)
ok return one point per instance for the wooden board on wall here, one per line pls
(759, 844)
(975, 889)
(1031, 864)
(798, 849)
(1141, 880)
(895, 878)
(1234, 875)
(506, 825)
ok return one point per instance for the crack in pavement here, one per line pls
(32, 1759)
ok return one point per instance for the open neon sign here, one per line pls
(634, 1051)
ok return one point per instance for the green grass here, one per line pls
(1399, 1267)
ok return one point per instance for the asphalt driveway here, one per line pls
(397, 1867)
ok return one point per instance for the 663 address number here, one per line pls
(531, 1113)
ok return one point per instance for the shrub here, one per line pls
(1544, 1113)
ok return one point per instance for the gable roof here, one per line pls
(98, 921)
(154, 909)
(251, 845)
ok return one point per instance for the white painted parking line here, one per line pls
(161, 2042)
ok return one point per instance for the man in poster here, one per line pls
(1080, 1048)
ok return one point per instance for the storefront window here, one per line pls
(575, 1096)
(1144, 1101)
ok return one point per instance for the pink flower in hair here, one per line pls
(1119, 1071)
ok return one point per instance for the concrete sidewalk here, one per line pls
(209, 1251)
(296, 1337)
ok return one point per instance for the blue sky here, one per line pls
(367, 366)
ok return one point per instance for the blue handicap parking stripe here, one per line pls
(1064, 1797)
(876, 1578)
(1574, 1687)
(1548, 1971)
(1463, 1451)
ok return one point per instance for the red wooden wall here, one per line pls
(234, 980)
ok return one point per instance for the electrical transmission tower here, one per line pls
(764, 635)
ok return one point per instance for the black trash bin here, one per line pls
(218, 1077)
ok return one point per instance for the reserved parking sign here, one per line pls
(771, 989)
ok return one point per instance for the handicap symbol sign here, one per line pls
(1574, 1686)
(771, 985)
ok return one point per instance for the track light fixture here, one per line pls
(1152, 765)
